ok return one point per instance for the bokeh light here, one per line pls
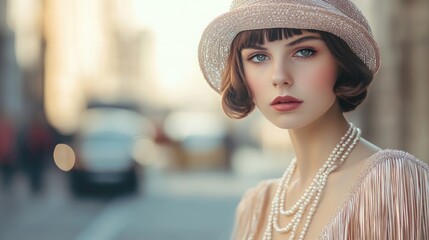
(64, 157)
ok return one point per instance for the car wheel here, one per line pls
(77, 184)
(132, 183)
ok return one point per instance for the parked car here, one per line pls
(201, 139)
(104, 145)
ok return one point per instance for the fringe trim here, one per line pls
(389, 201)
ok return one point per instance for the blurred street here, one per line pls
(91, 91)
(169, 204)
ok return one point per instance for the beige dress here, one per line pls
(389, 200)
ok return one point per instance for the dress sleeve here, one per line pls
(390, 202)
(249, 211)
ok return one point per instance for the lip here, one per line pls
(286, 103)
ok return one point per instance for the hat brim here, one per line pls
(216, 39)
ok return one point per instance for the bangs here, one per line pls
(257, 37)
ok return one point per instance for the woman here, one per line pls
(303, 64)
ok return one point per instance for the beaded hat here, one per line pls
(339, 17)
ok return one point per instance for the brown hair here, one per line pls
(350, 87)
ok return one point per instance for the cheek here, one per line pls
(322, 78)
(252, 83)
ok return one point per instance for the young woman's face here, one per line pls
(291, 80)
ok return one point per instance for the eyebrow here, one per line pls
(303, 39)
(293, 43)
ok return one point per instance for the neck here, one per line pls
(314, 143)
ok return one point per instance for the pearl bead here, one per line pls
(311, 195)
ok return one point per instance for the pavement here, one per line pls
(171, 204)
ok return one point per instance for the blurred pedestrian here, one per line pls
(37, 147)
(7, 150)
(303, 64)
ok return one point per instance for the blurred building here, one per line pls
(396, 114)
(11, 94)
(95, 51)
(57, 55)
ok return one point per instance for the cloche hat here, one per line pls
(339, 17)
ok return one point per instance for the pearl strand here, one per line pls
(307, 193)
(303, 202)
(315, 190)
(319, 181)
(313, 208)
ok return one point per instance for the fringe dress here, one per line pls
(389, 200)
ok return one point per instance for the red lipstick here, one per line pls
(286, 103)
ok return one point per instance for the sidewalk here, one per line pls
(249, 166)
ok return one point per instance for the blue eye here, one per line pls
(259, 58)
(304, 53)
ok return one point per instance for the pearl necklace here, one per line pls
(312, 194)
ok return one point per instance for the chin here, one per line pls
(288, 124)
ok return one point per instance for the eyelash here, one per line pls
(312, 53)
(254, 56)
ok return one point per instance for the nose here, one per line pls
(281, 76)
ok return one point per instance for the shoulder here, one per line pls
(398, 186)
(397, 160)
(251, 208)
(396, 174)
(394, 170)
(256, 195)
(389, 200)
(261, 188)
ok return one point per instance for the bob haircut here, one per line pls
(351, 86)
